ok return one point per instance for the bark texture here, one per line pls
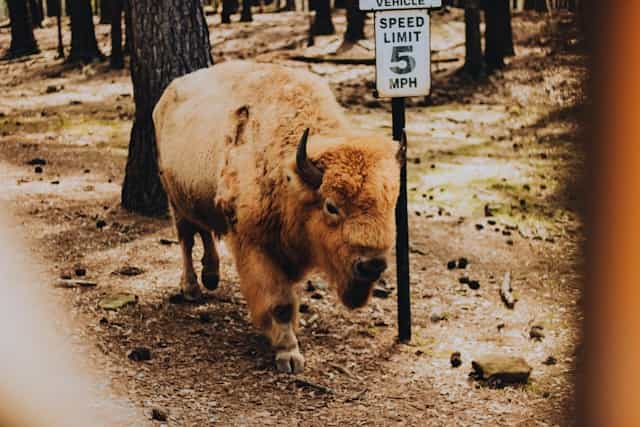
(498, 36)
(22, 40)
(116, 7)
(322, 24)
(106, 11)
(170, 38)
(473, 61)
(84, 46)
(355, 22)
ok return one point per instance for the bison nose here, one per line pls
(370, 269)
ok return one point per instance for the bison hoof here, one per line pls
(192, 294)
(290, 361)
(210, 280)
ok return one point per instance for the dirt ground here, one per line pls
(494, 176)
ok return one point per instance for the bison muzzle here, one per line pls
(264, 157)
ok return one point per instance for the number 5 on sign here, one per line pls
(402, 53)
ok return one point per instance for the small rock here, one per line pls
(487, 211)
(479, 226)
(116, 301)
(463, 262)
(437, 317)
(100, 224)
(549, 361)
(451, 265)
(304, 308)
(546, 394)
(38, 169)
(54, 88)
(491, 222)
(129, 270)
(159, 414)
(536, 332)
(167, 242)
(474, 284)
(80, 271)
(139, 354)
(316, 295)
(500, 327)
(463, 280)
(455, 359)
(510, 242)
(381, 293)
(55, 182)
(37, 161)
(177, 299)
(65, 276)
(501, 369)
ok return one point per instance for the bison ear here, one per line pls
(401, 154)
(308, 172)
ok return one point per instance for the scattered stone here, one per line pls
(487, 210)
(455, 359)
(381, 292)
(451, 265)
(38, 169)
(37, 161)
(168, 242)
(491, 222)
(128, 270)
(474, 284)
(159, 414)
(510, 242)
(69, 283)
(500, 369)
(479, 227)
(549, 361)
(437, 317)
(464, 280)
(80, 271)
(87, 171)
(205, 317)
(54, 88)
(506, 292)
(506, 233)
(316, 295)
(100, 224)
(546, 394)
(139, 354)
(463, 262)
(304, 308)
(116, 301)
(536, 332)
(55, 182)
(65, 276)
(500, 327)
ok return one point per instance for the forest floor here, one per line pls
(494, 176)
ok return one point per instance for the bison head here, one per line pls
(350, 185)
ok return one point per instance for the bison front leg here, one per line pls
(273, 305)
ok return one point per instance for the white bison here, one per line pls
(263, 156)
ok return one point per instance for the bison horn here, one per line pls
(309, 172)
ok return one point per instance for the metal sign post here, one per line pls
(403, 68)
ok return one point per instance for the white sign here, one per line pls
(398, 4)
(403, 66)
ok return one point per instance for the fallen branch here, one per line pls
(63, 283)
(506, 293)
(309, 385)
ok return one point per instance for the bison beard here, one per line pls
(307, 192)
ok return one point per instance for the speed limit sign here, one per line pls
(402, 53)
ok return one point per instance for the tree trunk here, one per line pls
(22, 40)
(53, 8)
(106, 11)
(246, 11)
(537, 5)
(473, 62)
(117, 57)
(355, 22)
(229, 7)
(322, 24)
(497, 37)
(290, 5)
(84, 46)
(127, 27)
(37, 13)
(170, 39)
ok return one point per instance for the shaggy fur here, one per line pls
(227, 138)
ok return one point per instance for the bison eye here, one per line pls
(330, 208)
